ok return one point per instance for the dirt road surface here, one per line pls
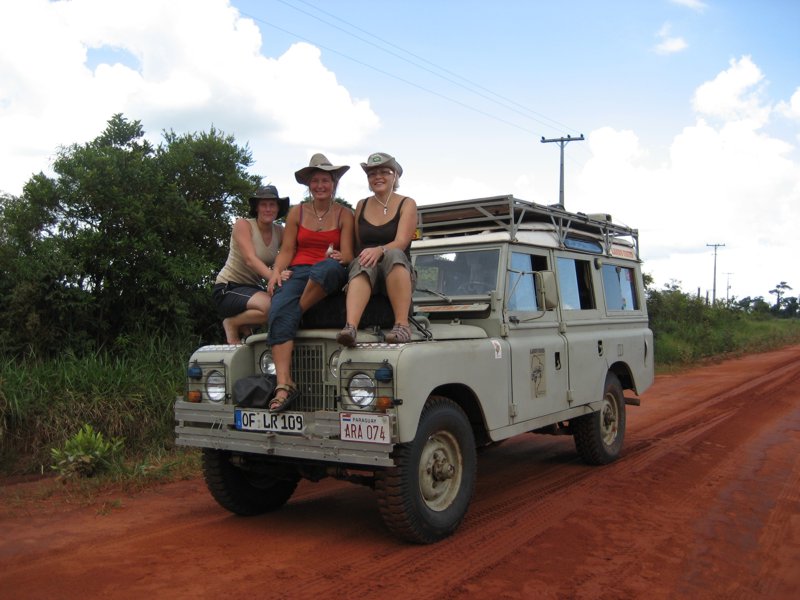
(702, 504)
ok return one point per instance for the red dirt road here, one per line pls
(704, 503)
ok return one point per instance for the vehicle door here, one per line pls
(583, 325)
(538, 350)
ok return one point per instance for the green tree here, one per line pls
(779, 291)
(125, 238)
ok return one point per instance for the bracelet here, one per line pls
(383, 249)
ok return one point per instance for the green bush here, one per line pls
(86, 453)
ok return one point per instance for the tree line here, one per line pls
(126, 239)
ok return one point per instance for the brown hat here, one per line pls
(381, 159)
(318, 162)
(268, 192)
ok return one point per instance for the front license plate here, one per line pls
(359, 427)
(263, 420)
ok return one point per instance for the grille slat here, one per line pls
(309, 369)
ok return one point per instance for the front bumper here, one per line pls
(211, 426)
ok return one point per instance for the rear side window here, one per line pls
(619, 286)
(575, 283)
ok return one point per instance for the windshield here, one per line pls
(459, 273)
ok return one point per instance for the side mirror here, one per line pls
(546, 292)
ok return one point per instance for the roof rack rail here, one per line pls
(509, 214)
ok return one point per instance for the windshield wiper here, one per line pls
(435, 293)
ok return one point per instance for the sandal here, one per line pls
(347, 336)
(277, 405)
(400, 334)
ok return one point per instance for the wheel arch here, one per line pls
(466, 398)
(624, 374)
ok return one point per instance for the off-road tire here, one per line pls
(243, 492)
(599, 436)
(424, 498)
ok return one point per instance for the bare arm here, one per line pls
(288, 249)
(242, 235)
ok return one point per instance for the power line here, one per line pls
(419, 66)
(398, 78)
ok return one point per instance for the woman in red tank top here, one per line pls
(317, 247)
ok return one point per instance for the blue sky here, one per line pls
(691, 109)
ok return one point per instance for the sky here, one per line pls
(690, 109)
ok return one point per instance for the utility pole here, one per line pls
(562, 141)
(714, 293)
(728, 288)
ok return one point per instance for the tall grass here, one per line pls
(127, 393)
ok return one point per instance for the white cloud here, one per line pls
(726, 181)
(791, 109)
(695, 5)
(734, 94)
(193, 65)
(669, 44)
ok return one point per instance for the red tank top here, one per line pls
(312, 245)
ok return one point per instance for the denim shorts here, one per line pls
(284, 313)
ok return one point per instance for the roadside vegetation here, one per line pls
(105, 277)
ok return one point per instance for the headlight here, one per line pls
(266, 364)
(215, 386)
(361, 389)
(333, 363)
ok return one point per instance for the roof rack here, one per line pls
(507, 213)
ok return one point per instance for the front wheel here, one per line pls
(599, 436)
(243, 491)
(424, 498)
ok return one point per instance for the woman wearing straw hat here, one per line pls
(385, 226)
(317, 246)
(241, 300)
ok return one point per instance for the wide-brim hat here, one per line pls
(319, 162)
(381, 159)
(268, 192)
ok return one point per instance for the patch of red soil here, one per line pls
(704, 503)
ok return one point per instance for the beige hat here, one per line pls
(381, 159)
(318, 162)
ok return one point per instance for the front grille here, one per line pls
(309, 370)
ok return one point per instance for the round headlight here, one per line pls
(362, 389)
(215, 386)
(333, 363)
(266, 364)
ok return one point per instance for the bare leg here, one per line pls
(282, 355)
(398, 288)
(312, 294)
(255, 314)
(358, 294)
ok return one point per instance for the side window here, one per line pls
(619, 287)
(521, 284)
(575, 283)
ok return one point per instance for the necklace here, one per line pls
(320, 216)
(385, 205)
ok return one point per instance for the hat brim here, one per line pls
(303, 175)
(390, 164)
(283, 206)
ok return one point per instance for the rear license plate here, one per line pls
(359, 427)
(263, 420)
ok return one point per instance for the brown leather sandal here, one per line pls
(277, 404)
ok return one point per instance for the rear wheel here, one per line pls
(425, 496)
(245, 492)
(599, 436)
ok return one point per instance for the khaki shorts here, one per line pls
(377, 274)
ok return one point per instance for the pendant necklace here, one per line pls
(385, 205)
(320, 216)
